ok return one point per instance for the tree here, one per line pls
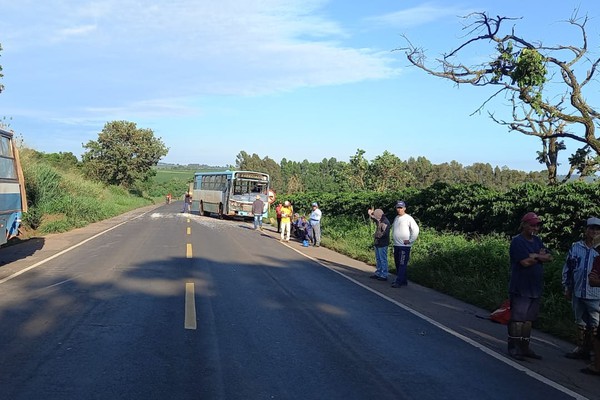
(521, 70)
(123, 154)
(388, 173)
(357, 170)
(253, 162)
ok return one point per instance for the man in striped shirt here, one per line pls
(584, 298)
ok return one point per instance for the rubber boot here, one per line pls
(583, 345)
(525, 350)
(515, 337)
(594, 367)
(589, 342)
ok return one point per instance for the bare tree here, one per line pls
(521, 69)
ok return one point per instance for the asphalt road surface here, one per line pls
(158, 304)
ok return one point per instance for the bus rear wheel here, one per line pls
(202, 212)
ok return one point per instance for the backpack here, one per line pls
(502, 314)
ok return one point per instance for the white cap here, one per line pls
(593, 221)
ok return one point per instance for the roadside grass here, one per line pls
(61, 200)
(473, 269)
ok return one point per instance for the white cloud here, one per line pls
(73, 32)
(420, 15)
(249, 47)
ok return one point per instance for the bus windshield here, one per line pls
(245, 186)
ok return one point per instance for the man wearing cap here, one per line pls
(527, 255)
(405, 232)
(585, 299)
(315, 224)
(258, 208)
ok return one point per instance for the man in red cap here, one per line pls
(527, 255)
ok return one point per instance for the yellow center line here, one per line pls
(188, 251)
(189, 230)
(190, 307)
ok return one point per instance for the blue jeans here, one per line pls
(257, 221)
(381, 260)
(401, 257)
(586, 311)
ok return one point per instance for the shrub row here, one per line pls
(474, 209)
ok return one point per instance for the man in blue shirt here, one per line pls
(585, 299)
(527, 255)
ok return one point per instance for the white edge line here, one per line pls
(8, 278)
(472, 342)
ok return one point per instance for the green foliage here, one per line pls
(530, 69)
(472, 209)
(123, 154)
(61, 199)
(474, 269)
(62, 161)
(385, 173)
(32, 218)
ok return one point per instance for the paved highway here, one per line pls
(164, 305)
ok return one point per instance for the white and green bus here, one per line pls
(229, 193)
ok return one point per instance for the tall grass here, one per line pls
(473, 269)
(61, 199)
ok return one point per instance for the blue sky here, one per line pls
(294, 79)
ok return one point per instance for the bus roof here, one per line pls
(232, 172)
(6, 133)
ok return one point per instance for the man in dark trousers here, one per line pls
(381, 239)
(258, 208)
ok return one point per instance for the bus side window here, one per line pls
(7, 168)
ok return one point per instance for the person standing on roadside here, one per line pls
(527, 256)
(315, 224)
(381, 241)
(187, 202)
(585, 299)
(405, 232)
(258, 207)
(278, 215)
(286, 221)
(594, 279)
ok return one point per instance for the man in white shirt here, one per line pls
(315, 223)
(405, 232)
